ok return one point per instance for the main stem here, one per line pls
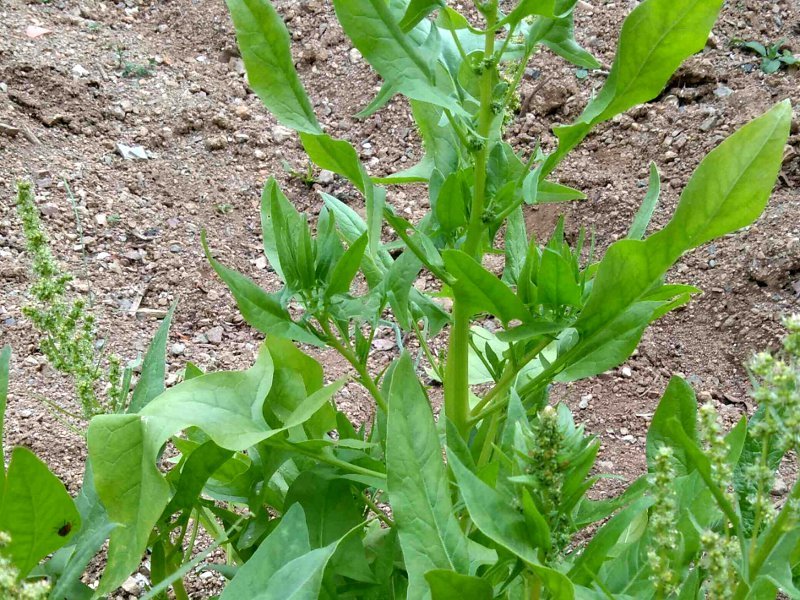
(456, 384)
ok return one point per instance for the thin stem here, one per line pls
(331, 460)
(382, 516)
(426, 349)
(363, 375)
(195, 528)
(488, 442)
(457, 41)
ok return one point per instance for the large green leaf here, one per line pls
(493, 514)
(260, 309)
(227, 406)
(151, 381)
(288, 541)
(678, 401)
(655, 39)
(129, 486)
(340, 157)
(447, 585)
(406, 61)
(36, 511)
(481, 290)
(417, 483)
(496, 518)
(265, 46)
(94, 531)
(331, 512)
(727, 191)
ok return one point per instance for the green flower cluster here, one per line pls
(10, 588)
(663, 516)
(721, 554)
(545, 446)
(68, 330)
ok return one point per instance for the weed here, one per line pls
(773, 56)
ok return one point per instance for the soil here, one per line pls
(166, 75)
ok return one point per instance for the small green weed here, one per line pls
(773, 57)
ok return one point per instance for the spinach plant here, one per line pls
(308, 505)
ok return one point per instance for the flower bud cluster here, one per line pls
(720, 557)
(663, 516)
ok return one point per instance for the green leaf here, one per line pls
(340, 157)
(201, 464)
(331, 512)
(557, 284)
(151, 381)
(602, 545)
(385, 94)
(492, 514)
(558, 35)
(645, 213)
(731, 186)
(549, 192)
(347, 268)
(129, 485)
(406, 61)
(94, 531)
(265, 46)
(418, 10)
(287, 542)
(516, 246)
(271, 193)
(678, 402)
(301, 579)
(123, 451)
(294, 244)
(655, 39)
(496, 519)
(727, 191)
(701, 462)
(430, 536)
(452, 201)
(756, 46)
(260, 309)
(481, 290)
(447, 585)
(35, 510)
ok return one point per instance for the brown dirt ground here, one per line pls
(67, 99)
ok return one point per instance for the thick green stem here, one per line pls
(363, 374)
(456, 383)
(485, 117)
(456, 377)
